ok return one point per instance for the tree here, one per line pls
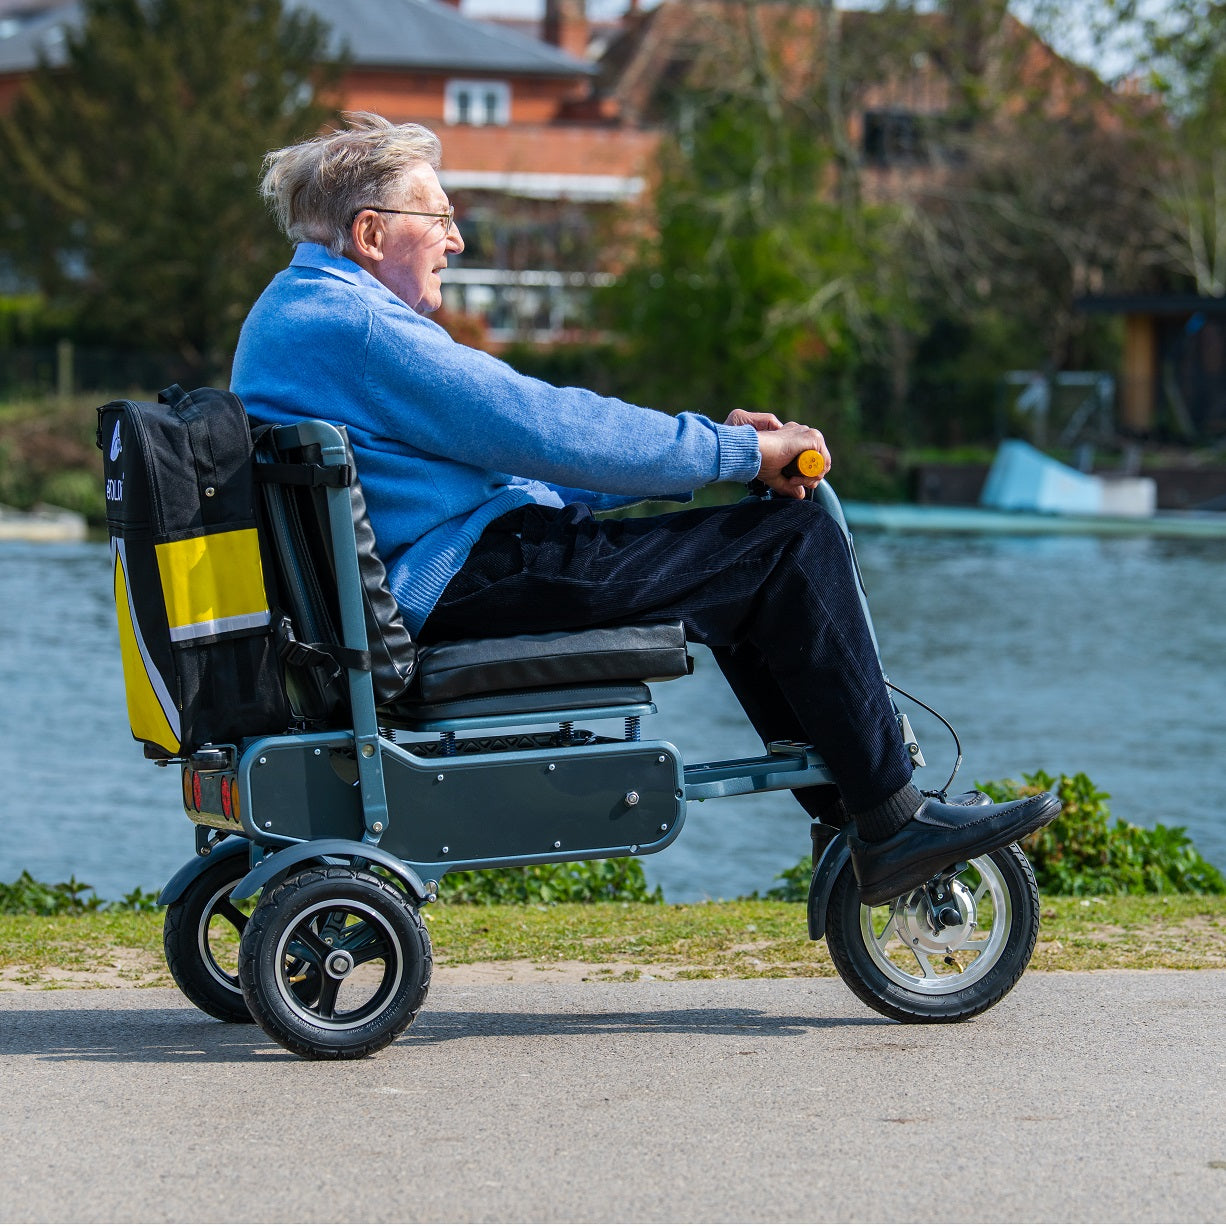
(909, 199)
(1037, 201)
(1171, 60)
(1184, 55)
(1042, 213)
(128, 175)
(760, 281)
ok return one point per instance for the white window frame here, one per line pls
(477, 103)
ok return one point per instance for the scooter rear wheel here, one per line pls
(200, 937)
(901, 962)
(335, 963)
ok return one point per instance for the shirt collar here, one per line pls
(315, 255)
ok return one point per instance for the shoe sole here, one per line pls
(903, 883)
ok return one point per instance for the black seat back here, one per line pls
(295, 485)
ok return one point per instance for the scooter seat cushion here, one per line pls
(639, 653)
(419, 715)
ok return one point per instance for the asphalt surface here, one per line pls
(1079, 1098)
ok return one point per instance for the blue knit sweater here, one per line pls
(448, 438)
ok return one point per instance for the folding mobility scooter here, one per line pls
(395, 764)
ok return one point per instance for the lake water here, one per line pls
(1059, 654)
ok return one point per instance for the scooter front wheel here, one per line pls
(916, 963)
(334, 963)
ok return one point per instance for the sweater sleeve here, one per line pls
(445, 399)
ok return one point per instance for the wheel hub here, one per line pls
(339, 963)
(915, 925)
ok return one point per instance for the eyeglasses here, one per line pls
(447, 218)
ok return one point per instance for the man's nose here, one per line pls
(455, 240)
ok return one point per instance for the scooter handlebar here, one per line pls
(807, 464)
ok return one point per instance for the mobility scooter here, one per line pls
(395, 764)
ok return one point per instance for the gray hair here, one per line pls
(314, 188)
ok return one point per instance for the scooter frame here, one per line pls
(358, 795)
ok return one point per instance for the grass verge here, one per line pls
(724, 940)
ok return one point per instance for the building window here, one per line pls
(906, 138)
(894, 137)
(477, 103)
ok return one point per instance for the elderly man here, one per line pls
(482, 483)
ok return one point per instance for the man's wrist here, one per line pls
(740, 457)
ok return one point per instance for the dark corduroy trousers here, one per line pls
(767, 585)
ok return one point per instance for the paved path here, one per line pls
(1079, 1098)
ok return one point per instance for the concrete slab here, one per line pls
(1079, 1098)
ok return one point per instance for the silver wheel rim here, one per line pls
(205, 946)
(300, 951)
(904, 947)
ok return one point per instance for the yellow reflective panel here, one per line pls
(152, 715)
(213, 583)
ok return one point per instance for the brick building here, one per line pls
(535, 166)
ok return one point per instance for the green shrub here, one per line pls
(615, 880)
(795, 883)
(48, 454)
(137, 900)
(1084, 852)
(25, 896)
(76, 490)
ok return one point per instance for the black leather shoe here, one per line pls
(969, 798)
(940, 835)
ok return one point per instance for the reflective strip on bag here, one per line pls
(213, 584)
(151, 712)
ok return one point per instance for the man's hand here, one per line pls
(779, 445)
(759, 421)
(782, 444)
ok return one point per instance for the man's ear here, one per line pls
(366, 235)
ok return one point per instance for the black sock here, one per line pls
(890, 816)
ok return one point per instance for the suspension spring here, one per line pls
(633, 727)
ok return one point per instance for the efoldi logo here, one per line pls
(116, 445)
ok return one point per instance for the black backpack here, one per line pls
(197, 636)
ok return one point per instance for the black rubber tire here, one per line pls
(281, 962)
(861, 973)
(202, 978)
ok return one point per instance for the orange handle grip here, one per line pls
(807, 464)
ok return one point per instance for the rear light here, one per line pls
(187, 788)
(232, 790)
(227, 799)
(197, 791)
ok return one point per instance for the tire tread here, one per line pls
(182, 956)
(892, 1000)
(265, 914)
